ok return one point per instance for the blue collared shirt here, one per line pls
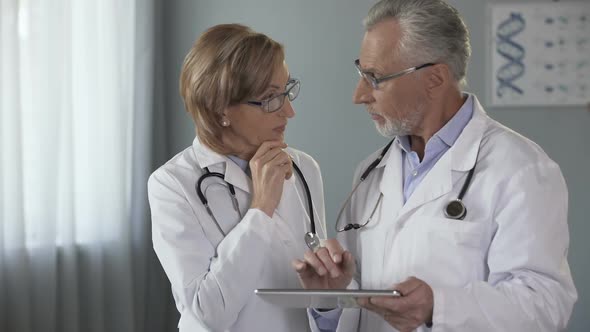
(243, 164)
(413, 172)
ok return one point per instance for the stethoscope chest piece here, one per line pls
(312, 240)
(455, 209)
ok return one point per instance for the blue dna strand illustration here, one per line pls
(513, 52)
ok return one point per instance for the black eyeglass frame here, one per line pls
(292, 83)
(375, 81)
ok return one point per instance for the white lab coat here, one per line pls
(503, 268)
(213, 278)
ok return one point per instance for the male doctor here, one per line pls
(496, 259)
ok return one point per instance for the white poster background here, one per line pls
(540, 54)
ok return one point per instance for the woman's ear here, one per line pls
(224, 119)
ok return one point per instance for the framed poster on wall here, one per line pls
(540, 54)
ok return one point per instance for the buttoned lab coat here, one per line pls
(503, 268)
(213, 278)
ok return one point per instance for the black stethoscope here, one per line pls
(455, 209)
(311, 238)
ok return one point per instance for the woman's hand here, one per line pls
(270, 166)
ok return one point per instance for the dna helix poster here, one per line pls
(540, 54)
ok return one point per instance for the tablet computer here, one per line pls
(319, 298)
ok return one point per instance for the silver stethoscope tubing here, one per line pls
(455, 209)
(311, 238)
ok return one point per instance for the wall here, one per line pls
(322, 39)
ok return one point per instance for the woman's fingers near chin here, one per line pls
(289, 174)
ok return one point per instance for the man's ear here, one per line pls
(438, 79)
(438, 75)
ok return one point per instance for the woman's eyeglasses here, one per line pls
(276, 102)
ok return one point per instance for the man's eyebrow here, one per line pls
(369, 70)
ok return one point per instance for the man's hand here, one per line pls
(404, 313)
(330, 267)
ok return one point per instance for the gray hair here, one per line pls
(432, 31)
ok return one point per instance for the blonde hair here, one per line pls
(228, 64)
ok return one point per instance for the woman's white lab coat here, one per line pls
(503, 268)
(213, 278)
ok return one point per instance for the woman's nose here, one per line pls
(287, 109)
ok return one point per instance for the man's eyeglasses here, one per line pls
(276, 102)
(374, 81)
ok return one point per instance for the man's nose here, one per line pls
(362, 93)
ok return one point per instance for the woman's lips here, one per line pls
(280, 129)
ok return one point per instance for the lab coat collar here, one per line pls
(387, 155)
(465, 147)
(461, 157)
(222, 164)
(465, 150)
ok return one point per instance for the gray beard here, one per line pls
(402, 127)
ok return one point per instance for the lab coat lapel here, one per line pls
(374, 243)
(461, 157)
(436, 183)
(216, 162)
(391, 185)
(236, 176)
(293, 212)
(465, 151)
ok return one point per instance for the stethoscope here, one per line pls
(454, 209)
(311, 238)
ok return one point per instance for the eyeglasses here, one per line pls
(374, 81)
(276, 102)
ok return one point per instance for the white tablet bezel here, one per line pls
(319, 298)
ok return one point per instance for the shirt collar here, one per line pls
(243, 164)
(449, 133)
(452, 129)
(206, 157)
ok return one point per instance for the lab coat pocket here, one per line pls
(455, 232)
(450, 251)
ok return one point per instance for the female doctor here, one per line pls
(231, 211)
